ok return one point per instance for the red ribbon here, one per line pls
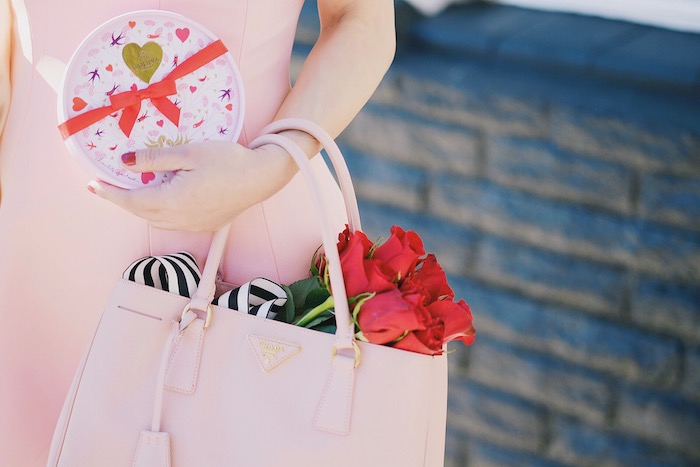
(130, 101)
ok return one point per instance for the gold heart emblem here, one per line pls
(143, 61)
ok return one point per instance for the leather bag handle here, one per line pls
(334, 411)
(205, 292)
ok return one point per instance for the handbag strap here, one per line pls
(205, 292)
(336, 157)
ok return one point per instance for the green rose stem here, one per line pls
(315, 312)
(312, 314)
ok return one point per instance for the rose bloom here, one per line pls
(394, 315)
(401, 252)
(362, 274)
(411, 306)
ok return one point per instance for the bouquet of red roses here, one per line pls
(398, 295)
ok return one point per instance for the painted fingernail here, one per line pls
(129, 158)
(91, 188)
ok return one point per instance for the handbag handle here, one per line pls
(345, 329)
(336, 157)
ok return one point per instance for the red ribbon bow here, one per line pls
(130, 101)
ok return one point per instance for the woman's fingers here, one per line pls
(141, 202)
(157, 160)
(214, 182)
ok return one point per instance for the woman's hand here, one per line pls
(213, 183)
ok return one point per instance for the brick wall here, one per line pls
(552, 162)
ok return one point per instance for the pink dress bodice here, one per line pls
(62, 249)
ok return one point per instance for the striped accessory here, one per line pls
(259, 297)
(159, 271)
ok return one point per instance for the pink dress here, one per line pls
(62, 248)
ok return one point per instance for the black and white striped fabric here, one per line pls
(260, 297)
(179, 273)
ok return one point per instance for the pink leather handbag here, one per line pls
(173, 381)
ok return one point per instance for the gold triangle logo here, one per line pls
(270, 353)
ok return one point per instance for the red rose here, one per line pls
(412, 306)
(457, 317)
(362, 275)
(411, 286)
(428, 341)
(400, 252)
(433, 279)
(345, 237)
(387, 316)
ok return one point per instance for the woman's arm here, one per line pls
(352, 54)
(355, 47)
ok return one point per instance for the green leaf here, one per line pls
(307, 293)
(287, 315)
(316, 297)
(325, 316)
(308, 316)
(328, 327)
(300, 289)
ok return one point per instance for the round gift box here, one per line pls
(131, 52)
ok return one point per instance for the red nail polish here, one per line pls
(91, 189)
(129, 158)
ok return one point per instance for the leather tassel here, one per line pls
(153, 450)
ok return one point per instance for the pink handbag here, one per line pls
(173, 381)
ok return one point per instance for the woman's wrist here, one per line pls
(276, 166)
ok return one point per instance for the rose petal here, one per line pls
(400, 252)
(433, 278)
(362, 275)
(428, 341)
(387, 316)
(457, 317)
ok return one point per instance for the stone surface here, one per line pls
(519, 215)
(540, 273)
(386, 181)
(668, 252)
(496, 417)
(646, 145)
(484, 454)
(671, 198)
(667, 306)
(663, 418)
(691, 382)
(544, 169)
(415, 142)
(563, 387)
(574, 443)
(571, 335)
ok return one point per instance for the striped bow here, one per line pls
(179, 273)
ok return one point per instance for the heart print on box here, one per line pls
(125, 59)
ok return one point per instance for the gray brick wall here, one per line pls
(560, 189)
